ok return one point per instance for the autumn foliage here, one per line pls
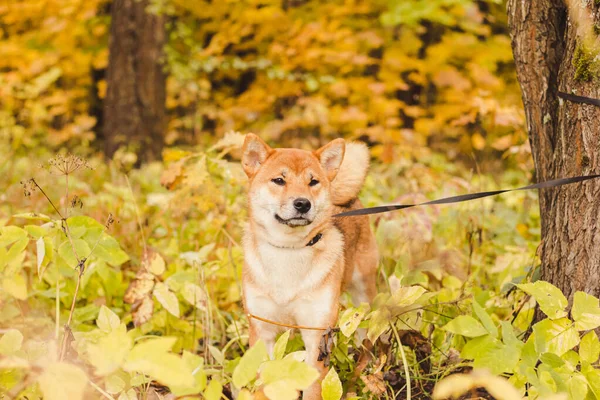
(142, 263)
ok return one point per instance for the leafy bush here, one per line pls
(119, 284)
(151, 299)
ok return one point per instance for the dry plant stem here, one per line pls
(207, 317)
(16, 390)
(81, 266)
(406, 371)
(57, 309)
(137, 215)
(195, 314)
(47, 198)
(63, 346)
(100, 390)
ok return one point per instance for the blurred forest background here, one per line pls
(121, 198)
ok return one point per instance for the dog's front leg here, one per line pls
(319, 311)
(265, 332)
(312, 339)
(258, 304)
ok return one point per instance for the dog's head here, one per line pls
(290, 188)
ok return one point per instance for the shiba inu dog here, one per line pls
(298, 258)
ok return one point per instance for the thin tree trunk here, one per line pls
(134, 108)
(564, 137)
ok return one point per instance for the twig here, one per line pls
(47, 198)
(100, 390)
(137, 215)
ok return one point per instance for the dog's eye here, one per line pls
(278, 181)
(313, 182)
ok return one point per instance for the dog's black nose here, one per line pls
(302, 205)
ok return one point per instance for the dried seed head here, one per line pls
(29, 187)
(76, 201)
(109, 221)
(65, 165)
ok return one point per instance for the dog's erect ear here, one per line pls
(255, 153)
(331, 156)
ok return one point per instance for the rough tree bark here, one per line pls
(564, 137)
(134, 107)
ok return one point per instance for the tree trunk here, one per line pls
(134, 107)
(564, 137)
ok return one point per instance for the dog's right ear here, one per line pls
(255, 153)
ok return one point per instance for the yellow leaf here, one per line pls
(61, 381)
(15, 286)
(478, 141)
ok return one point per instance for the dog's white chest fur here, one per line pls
(285, 274)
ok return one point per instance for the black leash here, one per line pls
(472, 196)
(579, 99)
(466, 197)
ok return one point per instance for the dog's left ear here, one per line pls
(254, 153)
(331, 156)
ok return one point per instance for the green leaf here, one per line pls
(247, 368)
(552, 360)
(551, 300)
(195, 363)
(351, 318)
(406, 296)
(16, 250)
(213, 390)
(283, 378)
(11, 234)
(585, 311)
(216, 354)
(280, 345)
(107, 319)
(33, 216)
(529, 355)
(578, 387)
(40, 246)
(108, 250)
(131, 394)
(555, 336)
(61, 381)
(65, 250)
(157, 264)
(502, 359)
(114, 383)
(36, 231)
(508, 335)
(487, 352)
(11, 342)
(166, 298)
(479, 347)
(194, 295)
(589, 348)
(485, 319)
(80, 224)
(244, 395)
(297, 373)
(15, 286)
(571, 359)
(465, 325)
(592, 376)
(379, 322)
(152, 358)
(280, 390)
(110, 352)
(331, 386)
